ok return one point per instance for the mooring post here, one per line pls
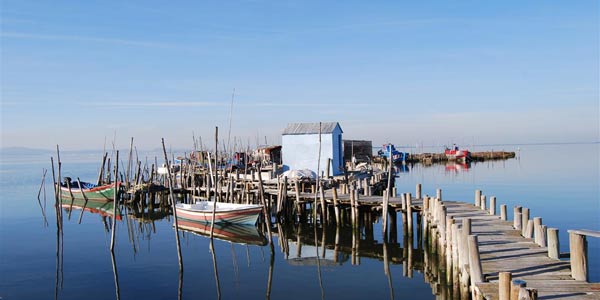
(475, 260)
(418, 191)
(528, 294)
(525, 220)
(553, 243)
(492, 205)
(483, 202)
(504, 285)
(503, 212)
(539, 236)
(336, 207)
(578, 249)
(515, 288)
(439, 194)
(529, 230)
(477, 197)
(409, 215)
(465, 232)
(517, 218)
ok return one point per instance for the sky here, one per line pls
(82, 74)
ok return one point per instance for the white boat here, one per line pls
(224, 212)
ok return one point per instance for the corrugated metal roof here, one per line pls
(310, 128)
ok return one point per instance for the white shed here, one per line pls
(300, 147)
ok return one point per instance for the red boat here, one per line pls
(456, 154)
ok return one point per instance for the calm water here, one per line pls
(557, 182)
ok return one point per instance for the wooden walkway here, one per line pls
(502, 248)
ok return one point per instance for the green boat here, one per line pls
(103, 193)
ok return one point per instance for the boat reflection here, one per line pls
(102, 208)
(454, 166)
(234, 233)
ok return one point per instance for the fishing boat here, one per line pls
(458, 154)
(224, 212)
(235, 233)
(104, 193)
(388, 150)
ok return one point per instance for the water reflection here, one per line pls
(234, 233)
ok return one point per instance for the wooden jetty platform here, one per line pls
(517, 259)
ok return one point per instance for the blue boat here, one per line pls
(397, 156)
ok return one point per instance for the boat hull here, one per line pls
(244, 214)
(104, 193)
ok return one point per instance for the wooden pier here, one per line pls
(507, 259)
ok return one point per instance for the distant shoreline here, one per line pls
(27, 150)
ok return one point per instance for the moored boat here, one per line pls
(389, 150)
(458, 154)
(224, 212)
(71, 189)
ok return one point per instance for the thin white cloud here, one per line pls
(76, 38)
(307, 105)
(156, 104)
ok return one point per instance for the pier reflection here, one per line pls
(306, 243)
(303, 244)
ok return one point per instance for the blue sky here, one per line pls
(77, 73)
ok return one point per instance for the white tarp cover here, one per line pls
(300, 174)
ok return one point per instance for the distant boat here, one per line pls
(457, 154)
(93, 192)
(388, 150)
(235, 233)
(224, 213)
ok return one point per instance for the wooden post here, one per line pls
(528, 294)
(504, 285)
(115, 204)
(439, 194)
(323, 203)
(515, 288)
(503, 212)
(84, 198)
(493, 205)
(483, 202)
(475, 260)
(477, 197)
(386, 196)
(336, 207)
(266, 213)
(517, 218)
(409, 217)
(101, 172)
(539, 236)
(418, 191)
(529, 230)
(463, 253)
(578, 249)
(553, 243)
(525, 219)
(173, 204)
